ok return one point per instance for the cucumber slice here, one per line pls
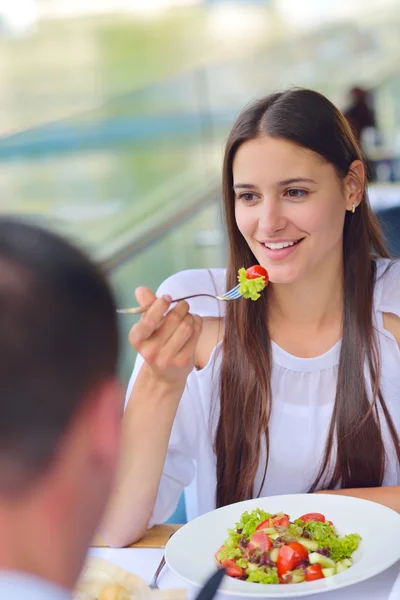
(269, 530)
(340, 567)
(329, 572)
(298, 577)
(310, 545)
(348, 562)
(316, 558)
(274, 553)
(274, 536)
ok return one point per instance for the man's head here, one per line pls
(60, 402)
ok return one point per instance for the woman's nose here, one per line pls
(271, 218)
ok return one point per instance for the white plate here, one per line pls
(190, 552)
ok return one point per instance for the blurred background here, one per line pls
(114, 113)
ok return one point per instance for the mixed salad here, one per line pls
(272, 549)
(252, 281)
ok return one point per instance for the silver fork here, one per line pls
(233, 294)
(153, 583)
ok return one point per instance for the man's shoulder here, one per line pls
(16, 585)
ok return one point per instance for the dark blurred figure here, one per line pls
(360, 113)
(60, 410)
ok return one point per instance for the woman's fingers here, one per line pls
(166, 339)
(171, 322)
(151, 319)
(177, 354)
(153, 348)
(185, 357)
(179, 336)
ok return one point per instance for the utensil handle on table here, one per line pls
(211, 586)
(153, 583)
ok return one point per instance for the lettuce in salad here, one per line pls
(267, 576)
(249, 521)
(270, 548)
(247, 525)
(324, 534)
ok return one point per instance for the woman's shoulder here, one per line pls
(387, 285)
(197, 281)
(387, 295)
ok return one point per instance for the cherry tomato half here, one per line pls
(285, 560)
(300, 553)
(232, 569)
(257, 271)
(313, 517)
(218, 551)
(274, 522)
(314, 572)
(259, 539)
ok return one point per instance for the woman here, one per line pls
(298, 391)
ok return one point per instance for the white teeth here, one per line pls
(279, 245)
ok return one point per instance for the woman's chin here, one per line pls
(284, 276)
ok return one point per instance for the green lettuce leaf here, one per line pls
(268, 575)
(324, 534)
(229, 552)
(295, 530)
(242, 562)
(249, 521)
(345, 546)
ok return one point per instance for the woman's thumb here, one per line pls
(144, 296)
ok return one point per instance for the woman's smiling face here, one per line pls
(290, 207)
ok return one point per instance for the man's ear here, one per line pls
(354, 185)
(103, 421)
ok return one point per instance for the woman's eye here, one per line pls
(248, 198)
(295, 193)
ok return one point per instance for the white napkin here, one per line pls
(395, 593)
(99, 574)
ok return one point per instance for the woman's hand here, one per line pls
(167, 342)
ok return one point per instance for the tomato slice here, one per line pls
(232, 569)
(285, 560)
(267, 524)
(300, 553)
(218, 551)
(281, 522)
(313, 517)
(260, 540)
(257, 271)
(274, 522)
(314, 572)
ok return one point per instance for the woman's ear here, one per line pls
(354, 185)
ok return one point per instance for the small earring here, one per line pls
(353, 208)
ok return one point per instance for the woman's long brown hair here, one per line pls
(306, 118)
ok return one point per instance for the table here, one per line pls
(144, 561)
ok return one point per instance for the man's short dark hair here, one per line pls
(58, 342)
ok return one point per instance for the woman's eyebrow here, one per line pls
(249, 186)
(244, 186)
(296, 180)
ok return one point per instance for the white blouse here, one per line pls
(303, 391)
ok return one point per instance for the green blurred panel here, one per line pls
(96, 196)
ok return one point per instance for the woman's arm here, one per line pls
(388, 496)
(167, 343)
